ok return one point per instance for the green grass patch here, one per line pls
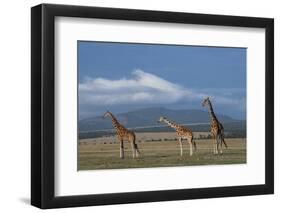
(93, 156)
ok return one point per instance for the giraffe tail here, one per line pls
(222, 139)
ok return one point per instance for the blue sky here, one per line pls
(123, 77)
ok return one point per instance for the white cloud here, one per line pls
(142, 88)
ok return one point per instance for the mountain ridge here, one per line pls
(150, 116)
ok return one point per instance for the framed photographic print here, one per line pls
(139, 106)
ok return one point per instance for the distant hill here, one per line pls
(149, 117)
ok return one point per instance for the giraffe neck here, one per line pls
(211, 112)
(115, 123)
(171, 124)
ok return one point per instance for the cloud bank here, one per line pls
(141, 88)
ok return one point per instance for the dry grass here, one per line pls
(103, 153)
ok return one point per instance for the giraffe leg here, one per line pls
(217, 144)
(194, 144)
(221, 138)
(180, 141)
(133, 149)
(137, 150)
(121, 149)
(190, 147)
(214, 144)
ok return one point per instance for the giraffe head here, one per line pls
(106, 114)
(206, 101)
(161, 119)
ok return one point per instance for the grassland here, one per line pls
(157, 150)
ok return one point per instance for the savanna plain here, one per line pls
(157, 149)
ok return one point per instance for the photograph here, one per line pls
(160, 105)
(139, 105)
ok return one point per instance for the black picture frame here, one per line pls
(43, 102)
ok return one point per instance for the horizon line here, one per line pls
(199, 109)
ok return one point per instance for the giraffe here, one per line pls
(182, 133)
(123, 134)
(217, 129)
